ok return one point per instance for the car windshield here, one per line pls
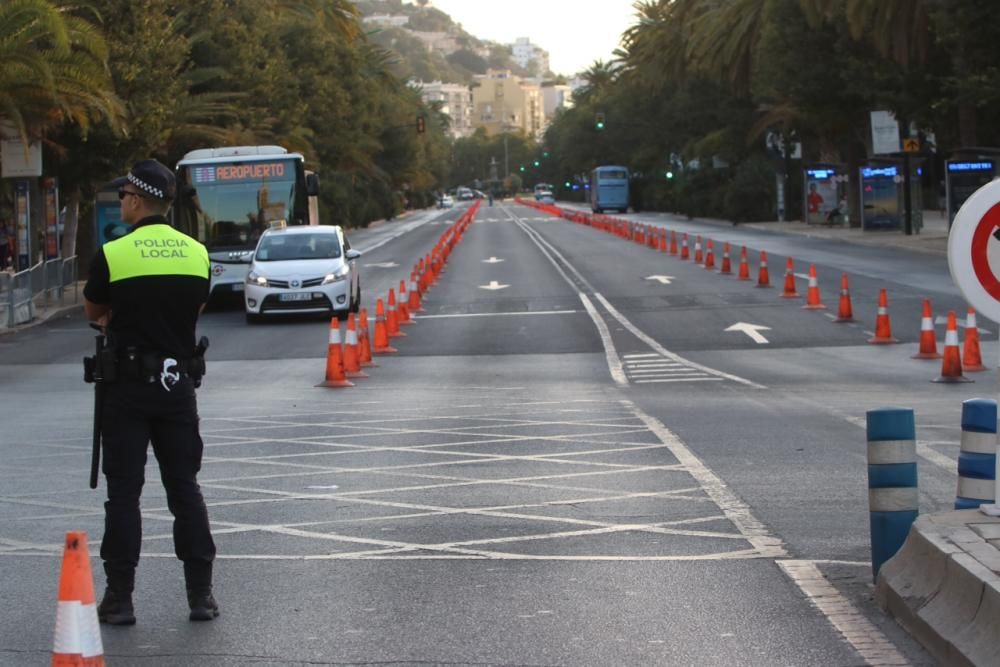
(281, 247)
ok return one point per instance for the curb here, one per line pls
(943, 586)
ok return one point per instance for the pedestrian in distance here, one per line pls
(146, 290)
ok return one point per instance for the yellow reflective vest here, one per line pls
(155, 250)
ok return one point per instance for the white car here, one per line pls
(303, 269)
(446, 201)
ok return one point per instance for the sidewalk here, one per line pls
(943, 586)
(45, 311)
(932, 238)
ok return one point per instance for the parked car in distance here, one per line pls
(300, 270)
(446, 201)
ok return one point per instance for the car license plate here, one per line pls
(237, 287)
(296, 296)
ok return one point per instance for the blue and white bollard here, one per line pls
(977, 458)
(892, 480)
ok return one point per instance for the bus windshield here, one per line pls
(612, 174)
(233, 202)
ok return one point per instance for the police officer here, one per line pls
(147, 289)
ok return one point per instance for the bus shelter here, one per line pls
(964, 173)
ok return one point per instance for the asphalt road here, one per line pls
(569, 462)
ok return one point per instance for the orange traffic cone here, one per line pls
(392, 317)
(763, 276)
(77, 636)
(364, 342)
(744, 273)
(684, 247)
(710, 255)
(883, 327)
(404, 308)
(790, 290)
(414, 305)
(970, 352)
(845, 313)
(697, 250)
(352, 354)
(664, 246)
(928, 341)
(335, 376)
(382, 330)
(951, 364)
(812, 294)
(673, 242)
(727, 266)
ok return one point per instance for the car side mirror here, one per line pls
(353, 254)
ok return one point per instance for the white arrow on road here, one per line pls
(494, 285)
(752, 330)
(664, 280)
(492, 260)
(384, 265)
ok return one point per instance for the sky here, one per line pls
(574, 32)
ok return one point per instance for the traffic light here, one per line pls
(669, 175)
(421, 124)
(537, 163)
(599, 120)
(522, 167)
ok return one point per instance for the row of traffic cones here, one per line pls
(657, 238)
(347, 356)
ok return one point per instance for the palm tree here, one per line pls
(54, 68)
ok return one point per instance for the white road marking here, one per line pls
(614, 363)
(737, 511)
(866, 639)
(751, 330)
(663, 280)
(667, 353)
(494, 285)
(533, 312)
(492, 260)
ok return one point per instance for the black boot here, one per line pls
(203, 605)
(116, 607)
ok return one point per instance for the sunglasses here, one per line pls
(125, 193)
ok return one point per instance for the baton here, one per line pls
(95, 454)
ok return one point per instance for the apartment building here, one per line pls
(456, 101)
(523, 52)
(503, 102)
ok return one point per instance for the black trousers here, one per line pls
(135, 414)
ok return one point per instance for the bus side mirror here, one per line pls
(312, 185)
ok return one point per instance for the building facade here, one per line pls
(456, 102)
(503, 102)
(524, 52)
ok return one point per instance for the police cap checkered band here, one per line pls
(151, 178)
(142, 185)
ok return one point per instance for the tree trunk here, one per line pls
(967, 131)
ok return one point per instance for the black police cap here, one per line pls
(152, 178)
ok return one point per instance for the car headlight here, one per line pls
(337, 276)
(254, 278)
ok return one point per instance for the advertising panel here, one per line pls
(108, 217)
(962, 178)
(825, 195)
(881, 197)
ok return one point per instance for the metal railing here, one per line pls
(32, 292)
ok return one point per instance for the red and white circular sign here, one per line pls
(974, 250)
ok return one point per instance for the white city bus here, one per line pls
(228, 196)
